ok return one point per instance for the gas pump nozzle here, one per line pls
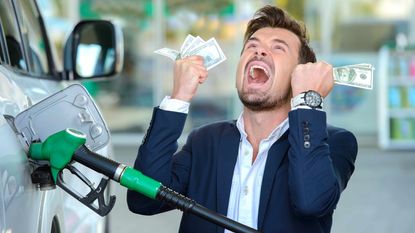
(67, 146)
(60, 150)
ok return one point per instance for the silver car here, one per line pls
(28, 75)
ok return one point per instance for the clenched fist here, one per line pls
(189, 72)
(312, 76)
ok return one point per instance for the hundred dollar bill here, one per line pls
(359, 75)
(197, 41)
(209, 50)
(211, 53)
(170, 53)
(187, 41)
(174, 54)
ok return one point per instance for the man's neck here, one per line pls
(259, 124)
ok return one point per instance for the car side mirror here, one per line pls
(93, 49)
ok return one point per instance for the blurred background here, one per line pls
(381, 193)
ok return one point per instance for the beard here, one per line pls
(263, 102)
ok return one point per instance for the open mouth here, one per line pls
(257, 73)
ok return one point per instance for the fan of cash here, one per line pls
(209, 50)
(358, 75)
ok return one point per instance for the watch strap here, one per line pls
(298, 100)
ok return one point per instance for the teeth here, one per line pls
(251, 71)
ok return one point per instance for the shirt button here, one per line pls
(246, 190)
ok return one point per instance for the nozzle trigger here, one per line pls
(96, 194)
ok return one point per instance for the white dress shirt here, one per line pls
(247, 176)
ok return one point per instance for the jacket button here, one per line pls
(307, 144)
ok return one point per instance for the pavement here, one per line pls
(380, 197)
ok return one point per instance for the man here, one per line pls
(279, 167)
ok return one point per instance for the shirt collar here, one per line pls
(276, 133)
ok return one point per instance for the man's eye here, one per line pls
(251, 46)
(278, 47)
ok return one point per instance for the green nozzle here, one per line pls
(135, 180)
(58, 149)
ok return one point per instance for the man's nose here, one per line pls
(261, 51)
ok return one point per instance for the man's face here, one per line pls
(263, 78)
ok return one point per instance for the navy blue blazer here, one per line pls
(305, 172)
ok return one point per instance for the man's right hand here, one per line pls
(189, 72)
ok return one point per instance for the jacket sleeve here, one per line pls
(157, 159)
(320, 164)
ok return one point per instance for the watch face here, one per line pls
(313, 99)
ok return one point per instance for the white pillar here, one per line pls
(327, 9)
(159, 27)
(72, 10)
(411, 32)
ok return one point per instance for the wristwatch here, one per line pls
(309, 98)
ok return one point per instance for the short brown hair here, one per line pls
(271, 16)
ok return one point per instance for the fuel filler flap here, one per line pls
(72, 107)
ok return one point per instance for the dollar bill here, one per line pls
(187, 41)
(209, 50)
(170, 53)
(358, 75)
(211, 53)
(192, 45)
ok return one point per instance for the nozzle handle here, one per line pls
(96, 162)
(95, 199)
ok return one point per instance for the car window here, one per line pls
(32, 33)
(12, 36)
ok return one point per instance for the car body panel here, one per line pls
(19, 197)
(23, 206)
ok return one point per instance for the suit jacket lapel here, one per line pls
(228, 153)
(276, 154)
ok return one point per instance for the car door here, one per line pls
(27, 76)
(21, 201)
